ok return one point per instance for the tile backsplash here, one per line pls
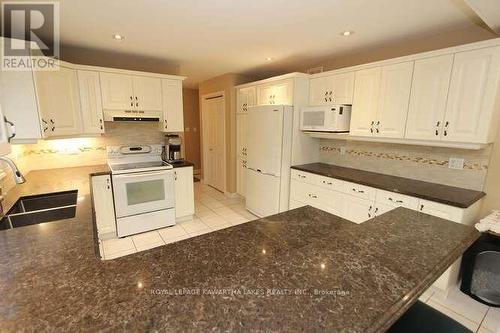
(416, 162)
(61, 153)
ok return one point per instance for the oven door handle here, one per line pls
(142, 174)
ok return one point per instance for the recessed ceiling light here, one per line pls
(269, 58)
(347, 33)
(118, 37)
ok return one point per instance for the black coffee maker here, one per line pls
(172, 152)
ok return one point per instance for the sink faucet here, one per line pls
(18, 176)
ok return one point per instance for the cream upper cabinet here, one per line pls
(147, 93)
(90, 102)
(173, 116)
(117, 91)
(333, 89)
(431, 79)
(245, 98)
(59, 103)
(365, 101)
(279, 93)
(473, 97)
(395, 84)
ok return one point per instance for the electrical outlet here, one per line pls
(342, 150)
(456, 163)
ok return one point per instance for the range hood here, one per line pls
(131, 115)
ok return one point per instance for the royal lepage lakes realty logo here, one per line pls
(32, 31)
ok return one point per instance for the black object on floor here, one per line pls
(422, 318)
(481, 270)
(40, 208)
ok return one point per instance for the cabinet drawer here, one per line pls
(360, 191)
(443, 211)
(313, 195)
(330, 183)
(396, 199)
(305, 177)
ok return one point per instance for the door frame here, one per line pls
(204, 99)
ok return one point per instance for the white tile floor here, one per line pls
(214, 211)
(474, 315)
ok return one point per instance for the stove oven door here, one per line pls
(143, 192)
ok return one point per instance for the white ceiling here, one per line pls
(206, 38)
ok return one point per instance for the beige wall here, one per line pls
(492, 183)
(225, 83)
(401, 47)
(192, 126)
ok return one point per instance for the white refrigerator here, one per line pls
(269, 145)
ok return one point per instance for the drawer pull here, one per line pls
(396, 201)
(312, 196)
(327, 183)
(359, 191)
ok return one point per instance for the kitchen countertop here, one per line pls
(261, 275)
(449, 195)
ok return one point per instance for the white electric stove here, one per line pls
(143, 188)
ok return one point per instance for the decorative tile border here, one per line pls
(61, 151)
(469, 165)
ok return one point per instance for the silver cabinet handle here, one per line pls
(371, 127)
(421, 207)
(445, 133)
(359, 191)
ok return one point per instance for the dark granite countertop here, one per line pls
(303, 270)
(182, 164)
(453, 196)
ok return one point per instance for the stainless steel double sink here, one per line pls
(41, 208)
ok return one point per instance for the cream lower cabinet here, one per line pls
(103, 206)
(184, 192)
(359, 203)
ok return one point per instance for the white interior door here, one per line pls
(213, 142)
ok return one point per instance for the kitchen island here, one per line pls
(302, 270)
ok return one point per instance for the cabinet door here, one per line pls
(241, 176)
(90, 102)
(173, 111)
(4, 141)
(395, 84)
(365, 101)
(117, 91)
(357, 210)
(241, 135)
(429, 91)
(18, 99)
(340, 88)
(381, 209)
(318, 94)
(441, 210)
(265, 95)
(184, 192)
(59, 103)
(147, 93)
(471, 98)
(245, 99)
(104, 209)
(282, 93)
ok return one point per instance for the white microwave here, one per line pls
(334, 118)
